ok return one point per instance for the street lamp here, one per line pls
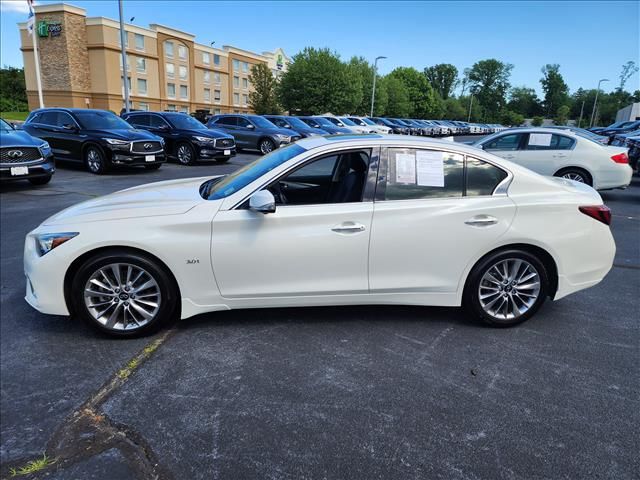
(375, 74)
(595, 101)
(124, 60)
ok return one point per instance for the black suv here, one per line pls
(98, 138)
(253, 132)
(24, 157)
(185, 138)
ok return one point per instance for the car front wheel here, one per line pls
(124, 294)
(506, 288)
(95, 161)
(186, 154)
(266, 146)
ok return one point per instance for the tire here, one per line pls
(266, 145)
(40, 180)
(521, 303)
(155, 166)
(95, 161)
(185, 154)
(96, 294)
(576, 174)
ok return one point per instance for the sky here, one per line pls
(590, 40)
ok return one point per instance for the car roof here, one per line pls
(539, 130)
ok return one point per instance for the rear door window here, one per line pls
(548, 141)
(138, 120)
(482, 177)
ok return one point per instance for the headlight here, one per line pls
(45, 149)
(203, 139)
(48, 241)
(284, 138)
(312, 134)
(115, 141)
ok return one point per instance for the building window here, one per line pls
(206, 78)
(182, 52)
(216, 95)
(141, 65)
(236, 99)
(236, 82)
(245, 83)
(184, 91)
(245, 67)
(139, 41)
(171, 107)
(171, 70)
(126, 39)
(245, 100)
(206, 58)
(142, 86)
(168, 49)
(236, 65)
(171, 90)
(216, 111)
(143, 106)
(184, 109)
(207, 95)
(216, 59)
(183, 72)
(216, 77)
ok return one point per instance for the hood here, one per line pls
(19, 138)
(208, 132)
(283, 131)
(172, 197)
(125, 134)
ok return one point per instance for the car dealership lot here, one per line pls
(349, 392)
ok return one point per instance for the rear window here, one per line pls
(482, 177)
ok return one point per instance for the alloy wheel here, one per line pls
(266, 146)
(509, 288)
(574, 176)
(184, 154)
(122, 296)
(94, 162)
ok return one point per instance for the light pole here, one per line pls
(375, 74)
(470, 104)
(595, 101)
(125, 74)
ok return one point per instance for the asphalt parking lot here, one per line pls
(351, 392)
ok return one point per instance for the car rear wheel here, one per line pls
(124, 294)
(506, 288)
(186, 155)
(266, 146)
(40, 180)
(575, 174)
(95, 161)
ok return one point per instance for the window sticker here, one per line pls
(430, 168)
(405, 168)
(540, 139)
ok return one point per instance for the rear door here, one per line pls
(247, 131)
(506, 146)
(546, 153)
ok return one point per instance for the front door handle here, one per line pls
(508, 156)
(559, 155)
(482, 221)
(349, 227)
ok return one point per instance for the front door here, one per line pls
(316, 243)
(506, 146)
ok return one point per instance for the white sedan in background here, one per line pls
(344, 122)
(325, 221)
(562, 153)
(370, 124)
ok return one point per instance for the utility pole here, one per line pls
(125, 73)
(595, 101)
(470, 103)
(581, 111)
(32, 28)
(373, 90)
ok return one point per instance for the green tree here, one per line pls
(537, 121)
(524, 100)
(454, 110)
(362, 72)
(13, 94)
(424, 101)
(562, 116)
(511, 118)
(476, 110)
(263, 99)
(556, 91)
(443, 78)
(628, 69)
(398, 104)
(317, 81)
(489, 81)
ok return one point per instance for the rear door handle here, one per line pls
(349, 227)
(482, 221)
(509, 156)
(559, 155)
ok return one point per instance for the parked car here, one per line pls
(368, 123)
(295, 124)
(395, 128)
(23, 157)
(346, 123)
(625, 128)
(612, 127)
(324, 124)
(253, 132)
(98, 138)
(416, 128)
(237, 241)
(562, 154)
(583, 133)
(186, 139)
(410, 129)
(631, 141)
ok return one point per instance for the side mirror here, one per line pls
(250, 126)
(163, 127)
(70, 126)
(262, 202)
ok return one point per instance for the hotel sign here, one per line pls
(49, 29)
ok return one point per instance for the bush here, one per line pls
(562, 116)
(537, 121)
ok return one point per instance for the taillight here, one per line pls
(620, 158)
(602, 213)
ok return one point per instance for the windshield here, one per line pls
(367, 121)
(261, 122)
(214, 190)
(346, 121)
(296, 122)
(358, 121)
(323, 121)
(4, 126)
(94, 120)
(181, 120)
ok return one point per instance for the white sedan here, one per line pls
(369, 124)
(344, 122)
(371, 219)
(562, 153)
